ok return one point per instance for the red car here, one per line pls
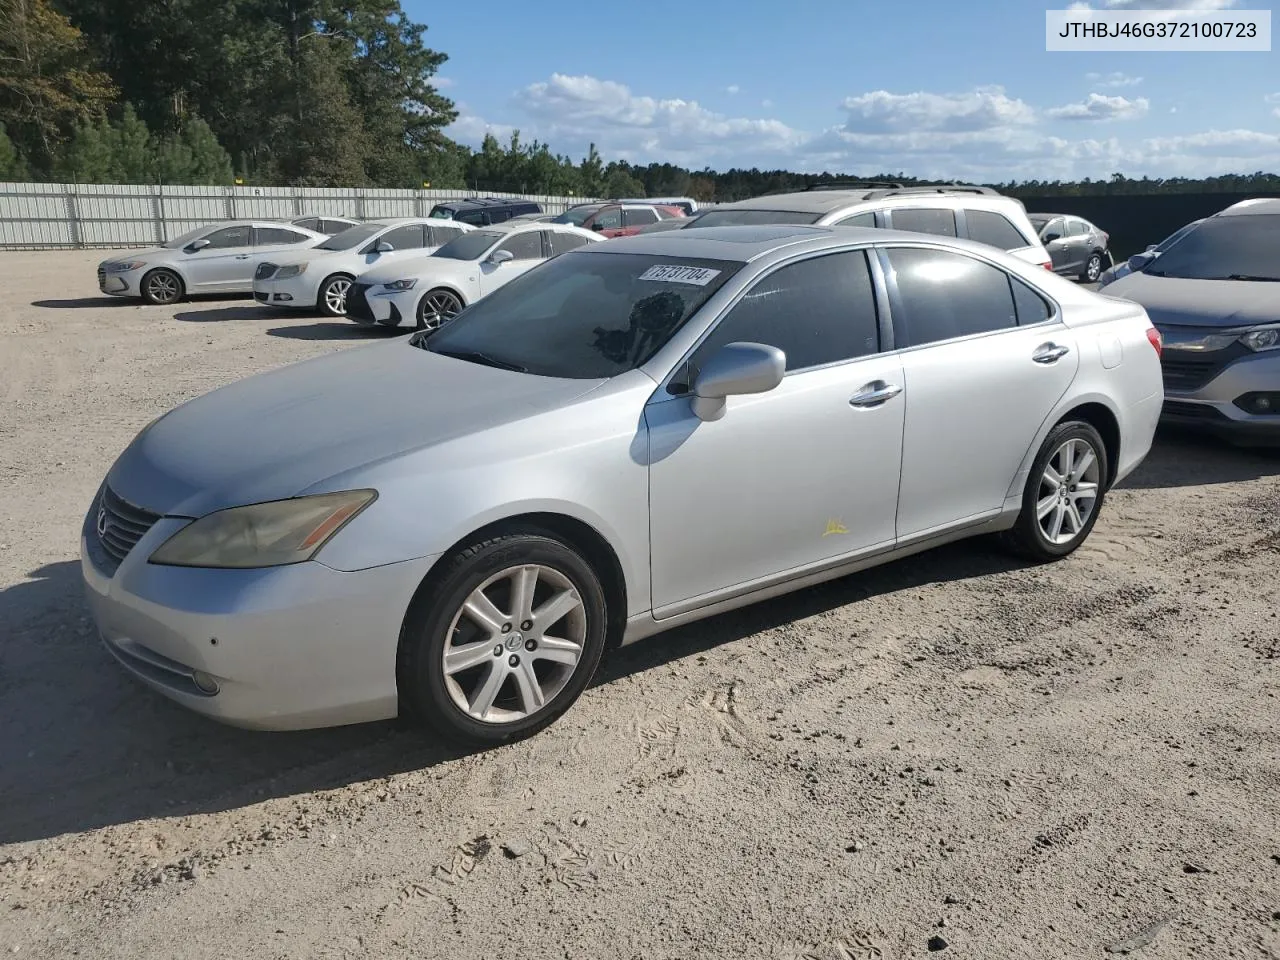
(613, 219)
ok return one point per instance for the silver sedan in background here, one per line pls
(632, 436)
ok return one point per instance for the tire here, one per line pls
(1033, 536)
(437, 307)
(486, 696)
(162, 288)
(331, 301)
(1092, 268)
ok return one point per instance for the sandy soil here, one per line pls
(1024, 762)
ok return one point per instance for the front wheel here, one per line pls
(162, 288)
(1092, 268)
(1063, 495)
(436, 308)
(505, 639)
(332, 301)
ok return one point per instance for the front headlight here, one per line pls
(1262, 338)
(290, 271)
(124, 266)
(398, 286)
(263, 534)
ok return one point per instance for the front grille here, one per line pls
(1187, 370)
(265, 271)
(120, 525)
(1186, 375)
(1191, 411)
(102, 277)
(358, 303)
(260, 296)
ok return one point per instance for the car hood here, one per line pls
(300, 254)
(425, 266)
(277, 434)
(1175, 302)
(150, 253)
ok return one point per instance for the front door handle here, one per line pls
(874, 393)
(1050, 353)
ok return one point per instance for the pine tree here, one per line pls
(88, 158)
(131, 150)
(12, 166)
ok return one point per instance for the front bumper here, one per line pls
(1212, 407)
(128, 284)
(297, 292)
(368, 304)
(282, 648)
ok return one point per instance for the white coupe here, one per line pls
(319, 278)
(430, 290)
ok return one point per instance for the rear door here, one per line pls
(1078, 244)
(985, 360)
(225, 265)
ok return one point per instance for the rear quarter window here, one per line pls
(940, 222)
(993, 229)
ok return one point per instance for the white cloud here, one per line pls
(443, 83)
(732, 88)
(766, 104)
(1113, 80)
(1101, 107)
(984, 108)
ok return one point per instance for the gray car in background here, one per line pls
(1077, 247)
(1215, 297)
(634, 435)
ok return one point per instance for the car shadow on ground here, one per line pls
(246, 312)
(87, 746)
(85, 303)
(1182, 458)
(339, 330)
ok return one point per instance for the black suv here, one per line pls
(483, 211)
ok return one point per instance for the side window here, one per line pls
(310, 223)
(920, 220)
(994, 230)
(524, 246)
(639, 216)
(476, 218)
(403, 238)
(1076, 228)
(1031, 307)
(858, 220)
(942, 295)
(609, 218)
(442, 235)
(1055, 228)
(227, 238)
(270, 236)
(332, 227)
(562, 242)
(816, 311)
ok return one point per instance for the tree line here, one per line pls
(318, 93)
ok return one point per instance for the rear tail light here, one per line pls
(1157, 341)
(1048, 265)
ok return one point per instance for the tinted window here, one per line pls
(308, 224)
(1177, 235)
(404, 238)
(993, 229)
(332, 226)
(439, 212)
(477, 218)
(352, 238)
(815, 311)
(858, 220)
(1224, 248)
(943, 295)
(940, 222)
(1053, 227)
(562, 242)
(577, 216)
(266, 236)
(592, 316)
(1031, 307)
(230, 237)
(442, 235)
(639, 216)
(1075, 228)
(469, 246)
(524, 246)
(732, 218)
(610, 218)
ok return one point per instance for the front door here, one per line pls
(1054, 237)
(983, 366)
(526, 251)
(789, 478)
(226, 264)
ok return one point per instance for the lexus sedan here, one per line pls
(218, 258)
(635, 435)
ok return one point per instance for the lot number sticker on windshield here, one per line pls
(698, 276)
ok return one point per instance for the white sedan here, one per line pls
(318, 279)
(217, 258)
(431, 290)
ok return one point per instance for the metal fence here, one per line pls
(39, 216)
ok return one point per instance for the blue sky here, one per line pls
(927, 87)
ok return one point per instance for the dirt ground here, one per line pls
(1023, 762)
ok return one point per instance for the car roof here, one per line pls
(483, 202)
(1257, 205)
(823, 201)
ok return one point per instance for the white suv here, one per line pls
(954, 210)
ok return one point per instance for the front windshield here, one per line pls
(353, 237)
(754, 218)
(584, 315)
(469, 246)
(576, 216)
(1245, 247)
(177, 243)
(441, 213)
(1174, 237)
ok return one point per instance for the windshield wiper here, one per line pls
(1248, 276)
(475, 356)
(1154, 273)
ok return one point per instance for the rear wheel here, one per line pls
(1092, 268)
(505, 639)
(332, 301)
(436, 308)
(162, 287)
(1063, 495)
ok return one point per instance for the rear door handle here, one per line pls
(874, 393)
(1050, 353)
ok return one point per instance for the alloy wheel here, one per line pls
(1068, 491)
(335, 295)
(163, 288)
(437, 308)
(1094, 268)
(514, 644)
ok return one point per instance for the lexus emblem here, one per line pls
(102, 521)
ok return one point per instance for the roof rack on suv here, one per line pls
(944, 188)
(854, 185)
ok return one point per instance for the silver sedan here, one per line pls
(624, 439)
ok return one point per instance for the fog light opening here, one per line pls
(284, 297)
(1260, 404)
(204, 683)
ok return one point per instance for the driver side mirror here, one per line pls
(1050, 237)
(597, 226)
(383, 247)
(733, 370)
(500, 256)
(1140, 260)
(196, 245)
